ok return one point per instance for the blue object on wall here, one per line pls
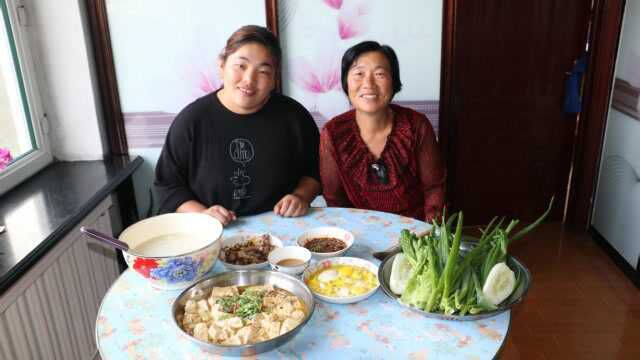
(572, 96)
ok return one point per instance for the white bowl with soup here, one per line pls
(292, 260)
(326, 241)
(173, 251)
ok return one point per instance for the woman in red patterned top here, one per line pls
(378, 155)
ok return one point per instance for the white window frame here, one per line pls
(24, 39)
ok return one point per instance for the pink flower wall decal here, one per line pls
(324, 77)
(5, 158)
(352, 20)
(209, 82)
(336, 4)
(321, 82)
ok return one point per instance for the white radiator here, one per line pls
(50, 313)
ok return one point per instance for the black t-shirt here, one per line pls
(245, 163)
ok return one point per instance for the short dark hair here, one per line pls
(253, 34)
(352, 54)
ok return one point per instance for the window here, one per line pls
(24, 148)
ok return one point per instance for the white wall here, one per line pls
(616, 208)
(617, 201)
(629, 53)
(71, 99)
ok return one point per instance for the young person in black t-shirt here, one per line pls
(243, 149)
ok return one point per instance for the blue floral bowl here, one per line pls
(173, 251)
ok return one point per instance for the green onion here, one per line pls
(244, 306)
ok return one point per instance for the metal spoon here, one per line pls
(105, 238)
(467, 243)
(381, 255)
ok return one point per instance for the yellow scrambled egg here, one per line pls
(342, 281)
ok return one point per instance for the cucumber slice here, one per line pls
(500, 283)
(400, 273)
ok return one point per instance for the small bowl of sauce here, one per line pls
(326, 241)
(325, 245)
(292, 260)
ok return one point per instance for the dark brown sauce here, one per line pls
(290, 262)
(325, 245)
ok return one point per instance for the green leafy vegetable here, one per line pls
(444, 280)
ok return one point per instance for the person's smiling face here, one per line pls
(249, 77)
(369, 83)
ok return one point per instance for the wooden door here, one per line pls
(507, 141)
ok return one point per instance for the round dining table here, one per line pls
(135, 320)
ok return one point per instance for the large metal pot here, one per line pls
(202, 290)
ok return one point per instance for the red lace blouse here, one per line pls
(416, 175)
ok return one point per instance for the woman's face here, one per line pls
(248, 76)
(369, 83)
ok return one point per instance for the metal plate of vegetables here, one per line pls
(442, 277)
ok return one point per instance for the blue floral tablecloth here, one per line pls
(134, 320)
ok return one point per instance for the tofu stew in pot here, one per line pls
(239, 315)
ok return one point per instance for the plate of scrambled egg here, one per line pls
(342, 280)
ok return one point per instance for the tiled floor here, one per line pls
(580, 305)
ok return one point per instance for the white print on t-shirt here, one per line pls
(241, 151)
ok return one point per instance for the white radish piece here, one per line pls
(400, 274)
(499, 284)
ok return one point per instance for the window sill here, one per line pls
(44, 208)
(17, 173)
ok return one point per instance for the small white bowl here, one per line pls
(340, 261)
(327, 231)
(290, 252)
(242, 238)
